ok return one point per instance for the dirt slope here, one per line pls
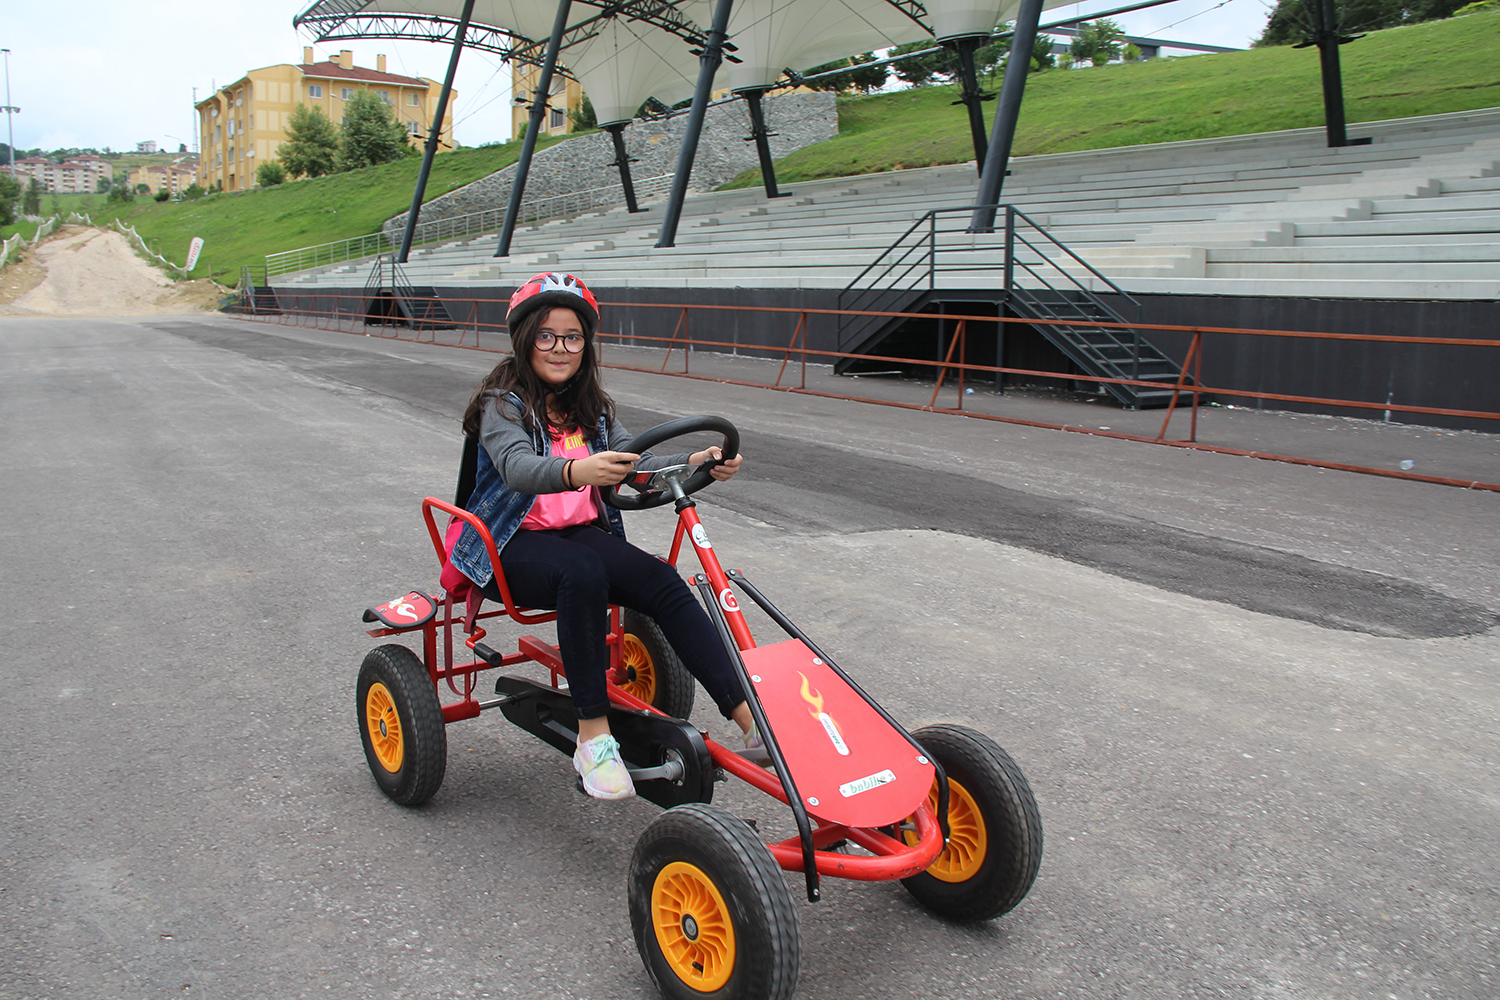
(94, 272)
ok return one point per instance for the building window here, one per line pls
(556, 118)
(413, 127)
(346, 94)
(314, 90)
(412, 100)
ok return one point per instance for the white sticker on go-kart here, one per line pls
(865, 784)
(727, 601)
(833, 733)
(700, 537)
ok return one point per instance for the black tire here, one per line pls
(656, 674)
(408, 748)
(685, 857)
(990, 864)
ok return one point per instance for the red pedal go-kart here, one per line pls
(943, 809)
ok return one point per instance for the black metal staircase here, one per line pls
(255, 300)
(938, 263)
(391, 300)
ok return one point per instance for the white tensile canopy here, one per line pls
(622, 60)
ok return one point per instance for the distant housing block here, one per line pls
(76, 174)
(242, 125)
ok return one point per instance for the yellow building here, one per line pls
(567, 96)
(241, 125)
(170, 177)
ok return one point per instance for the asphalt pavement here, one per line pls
(1257, 702)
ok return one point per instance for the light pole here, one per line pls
(10, 132)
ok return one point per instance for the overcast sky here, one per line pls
(114, 74)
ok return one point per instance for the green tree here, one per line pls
(859, 77)
(1097, 42)
(1041, 54)
(919, 71)
(193, 192)
(1131, 53)
(583, 118)
(313, 144)
(10, 191)
(370, 134)
(162, 195)
(32, 204)
(103, 185)
(120, 193)
(942, 66)
(1291, 23)
(270, 174)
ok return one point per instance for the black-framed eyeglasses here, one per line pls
(572, 343)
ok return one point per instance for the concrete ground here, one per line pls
(1257, 702)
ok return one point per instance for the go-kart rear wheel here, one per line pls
(653, 672)
(711, 912)
(995, 842)
(401, 725)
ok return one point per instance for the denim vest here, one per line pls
(502, 509)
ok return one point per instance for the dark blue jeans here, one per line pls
(582, 569)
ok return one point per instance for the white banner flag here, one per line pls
(194, 248)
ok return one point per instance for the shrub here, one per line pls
(270, 174)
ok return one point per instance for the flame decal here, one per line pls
(813, 698)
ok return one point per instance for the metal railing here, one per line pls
(542, 209)
(346, 313)
(939, 247)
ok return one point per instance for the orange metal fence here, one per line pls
(344, 312)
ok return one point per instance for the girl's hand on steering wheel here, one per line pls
(606, 468)
(722, 472)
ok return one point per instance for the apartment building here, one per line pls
(76, 174)
(240, 126)
(170, 177)
(566, 97)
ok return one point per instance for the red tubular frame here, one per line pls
(890, 859)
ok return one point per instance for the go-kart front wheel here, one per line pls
(710, 910)
(995, 842)
(653, 672)
(401, 725)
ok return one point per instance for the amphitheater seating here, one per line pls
(1415, 215)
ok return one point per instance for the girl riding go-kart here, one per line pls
(537, 526)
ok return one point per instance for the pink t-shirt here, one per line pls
(563, 510)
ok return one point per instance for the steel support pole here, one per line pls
(760, 135)
(534, 125)
(1007, 112)
(708, 65)
(436, 134)
(1328, 39)
(972, 97)
(616, 132)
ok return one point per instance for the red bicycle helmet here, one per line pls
(553, 289)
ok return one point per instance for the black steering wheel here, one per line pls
(663, 486)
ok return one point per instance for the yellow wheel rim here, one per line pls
(384, 726)
(640, 668)
(968, 841)
(693, 927)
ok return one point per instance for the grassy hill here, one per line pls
(242, 227)
(1422, 69)
(1450, 65)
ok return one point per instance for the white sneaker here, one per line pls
(598, 764)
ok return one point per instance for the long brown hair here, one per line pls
(581, 400)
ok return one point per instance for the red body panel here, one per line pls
(851, 767)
